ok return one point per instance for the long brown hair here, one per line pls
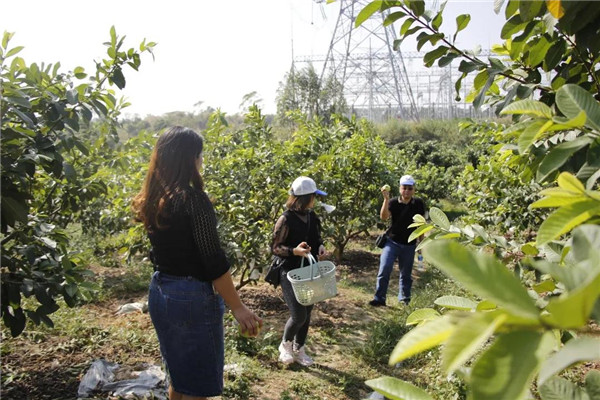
(299, 203)
(172, 169)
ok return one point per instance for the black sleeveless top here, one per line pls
(290, 231)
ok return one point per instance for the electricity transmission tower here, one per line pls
(379, 82)
(372, 73)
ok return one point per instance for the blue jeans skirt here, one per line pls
(187, 315)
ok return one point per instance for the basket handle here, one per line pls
(311, 261)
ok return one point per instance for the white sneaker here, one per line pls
(286, 352)
(301, 357)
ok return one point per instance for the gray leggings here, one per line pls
(296, 327)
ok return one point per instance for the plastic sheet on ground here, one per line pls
(132, 307)
(123, 382)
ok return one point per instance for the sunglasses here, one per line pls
(407, 187)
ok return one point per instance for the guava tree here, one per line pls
(520, 327)
(50, 121)
(246, 176)
(352, 171)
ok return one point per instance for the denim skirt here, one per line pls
(187, 315)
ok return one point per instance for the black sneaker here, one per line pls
(376, 303)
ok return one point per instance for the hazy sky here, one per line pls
(209, 51)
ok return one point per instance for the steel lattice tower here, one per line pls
(364, 61)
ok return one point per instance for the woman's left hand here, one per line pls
(250, 323)
(322, 251)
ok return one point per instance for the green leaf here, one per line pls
(544, 286)
(572, 310)
(559, 388)
(439, 218)
(118, 78)
(571, 99)
(566, 218)
(395, 389)
(593, 154)
(468, 337)
(14, 210)
(455, 302)
(511, 8)
(529, 249)
(479, 99)
(417, 7)
(461, 23)
(437, 21)
(530, 107)
(592, 384)
(467, 67)
(505, 370)
(586, 242)
(79, 73)
(483, 275)
(447, 59)
(13, 51)
(485, 305)
(574, 351)
(559, 155)
(421, 338)
(393, 17)
(420, 231)
(532, 133)
(569, 182)
(512, 26)
(20, 101)
(422, 315)
(554, 55)
(405, 26)
(529, 9)
(419, 218)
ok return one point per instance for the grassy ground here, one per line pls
(349, 340)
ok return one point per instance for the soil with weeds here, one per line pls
(349, 340)
(46, 363)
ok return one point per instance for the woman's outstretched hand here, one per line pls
(250, 323)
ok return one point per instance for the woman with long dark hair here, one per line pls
(192, 280)
(297, 234)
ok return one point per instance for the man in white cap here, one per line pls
(402, 209)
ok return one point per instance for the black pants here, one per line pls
(296, 327)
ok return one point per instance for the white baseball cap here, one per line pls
(304, 185)
(407, 180)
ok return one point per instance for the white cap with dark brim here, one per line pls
(305, 185)
(407, 180)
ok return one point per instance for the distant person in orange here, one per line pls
(297, 234)
(191, 280)
(402, 209)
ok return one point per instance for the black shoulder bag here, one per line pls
(273, 275)
(382, 238)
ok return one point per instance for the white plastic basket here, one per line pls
(313, 283)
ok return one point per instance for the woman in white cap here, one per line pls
(402, 209)
(297, 234)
